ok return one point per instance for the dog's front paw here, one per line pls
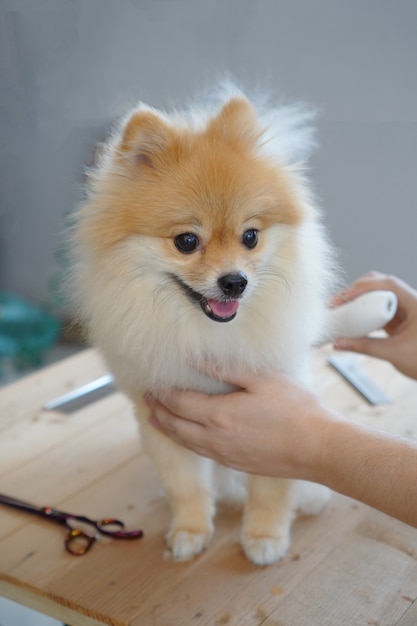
(265, 550)
(184, 544)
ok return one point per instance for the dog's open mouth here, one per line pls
(218, 310)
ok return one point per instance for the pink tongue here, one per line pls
(223, 309)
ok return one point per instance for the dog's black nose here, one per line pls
(233, 285)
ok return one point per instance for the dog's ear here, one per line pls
(236, 122)
(145, 138)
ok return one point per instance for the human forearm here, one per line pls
(372, 467)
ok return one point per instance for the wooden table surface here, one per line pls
(349, 566)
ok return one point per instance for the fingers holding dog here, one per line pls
(202, 424)
(183, 431)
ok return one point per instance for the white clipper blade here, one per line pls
(359, 317)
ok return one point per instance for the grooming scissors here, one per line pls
(77, 540)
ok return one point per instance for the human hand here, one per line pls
(272, 426)
(400, 346)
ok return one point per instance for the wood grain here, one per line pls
(349, 566)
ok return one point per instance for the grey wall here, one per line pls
(68, 67)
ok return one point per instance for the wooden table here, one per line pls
(349, 566)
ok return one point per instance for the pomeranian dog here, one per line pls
(200, 245)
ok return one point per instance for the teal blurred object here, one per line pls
(26, 331)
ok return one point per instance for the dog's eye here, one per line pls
(250, 238)
(186, 242)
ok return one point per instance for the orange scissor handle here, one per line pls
(78, 542)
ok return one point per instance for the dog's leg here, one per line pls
(268, 516)
(187, 480)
